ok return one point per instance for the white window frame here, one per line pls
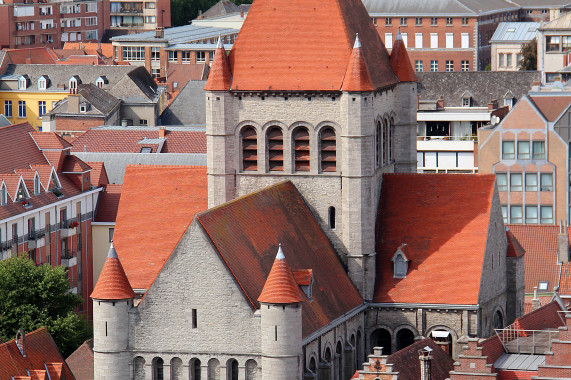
(434, 40)
(42, 83)
(449, 40)
(465, 40)
(389, 40)
(22, 83)
(418, 40)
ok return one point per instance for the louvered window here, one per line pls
(328, 150)
(301, 147)
(275, 149)
(249, 149)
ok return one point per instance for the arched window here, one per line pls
(213, 369)
(249, 149)
(339, 361)
(158, 372)
(251, 370)
(301, 149)
(498, 320)
(385, 142)
(232, 369)
(332, 217)
(73, 85)
(352, 341)
(381, 338)
(139, 368)
(176, 369)
(392, 137)
(359, 349)
(328, 150)
(405, 338)
(275, 149)
(194, 369)
(312, 365)
(101, 81)
(379, 143)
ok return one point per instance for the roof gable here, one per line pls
(281, 46)
(246, 233)
(523, 116)
(441, 230)
(551, 106)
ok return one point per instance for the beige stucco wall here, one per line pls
(100, 247)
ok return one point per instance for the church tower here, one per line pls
(282, 107)
(112, 299)
(281, 319)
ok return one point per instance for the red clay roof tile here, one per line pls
(108, 203)
(113, 283)
(81, 361)
(514, 247)
(17, 149)
(357, 77)
(281, 46)
(49, 140)
(400, 61)
(280, 287)
(406, 362)
(220, 77)
(551, 106)
(98, 174)
(444, 227)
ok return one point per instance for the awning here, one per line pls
(440, 334)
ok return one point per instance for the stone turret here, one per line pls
(281, 319)
(112, 298)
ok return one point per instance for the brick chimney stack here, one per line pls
(562, 244)
(425, 357)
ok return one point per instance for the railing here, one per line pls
(431, 169)
(6, 246)
(452, 138)
(37, 234)
(522, 341)
(68, 254)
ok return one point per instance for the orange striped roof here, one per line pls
(113, 283)
(400, 61)
(220, 78)
(280, 286)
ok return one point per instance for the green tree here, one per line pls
(184, 11)
(529, 56)
(34, 296)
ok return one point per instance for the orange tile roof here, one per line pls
(40, 55)
(528, 304)
(39, 348)
(98, 174)
(357, 77)
(81, 361)
(73, 164)
(565, 279)
(514, 247)
(220, 77)
(179, 193)
(444, 227)
(406, 362)
(400, 61)
(49, 140)
(108, 203)
(305, 46)
(540, 245)
(112, 283)
(280, 287)
(246, 233)
(551, 106)
(546, 317)
(17, 149)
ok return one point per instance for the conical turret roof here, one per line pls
(220, 77)
(280, 286)
(400, 61)
(357, 77)
(113, 283)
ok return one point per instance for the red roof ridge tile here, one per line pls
(220, 77)
(113, 283)
(280, 286)
(400, 61)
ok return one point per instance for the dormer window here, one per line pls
(509, 99)
(466, 99)
(37, 185)
(101, 81)
(42, 83)
(21, 194)
(54, 183)
(3, 195)
(400, 262)
(22, 83)
(73, 82)
(83, 108)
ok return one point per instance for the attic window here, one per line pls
(83, 108)
(101, 81)
(466, 102)
(42, 83)
(543, 285)
(400, 263)
(73, 85)
(54, 183)
(146, 150)
(22, 83)
(21, 193)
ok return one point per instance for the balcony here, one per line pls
(69, 258)
(68, 228)
(36, 239)
(5, 250)
(533, 342)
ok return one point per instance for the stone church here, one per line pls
(319, 242)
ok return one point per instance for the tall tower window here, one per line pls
(391, 138)
(332, 217)
(328, 150)
(385, 142)
(249, 149)
(379, 143)
(275, 149)
(301, 148)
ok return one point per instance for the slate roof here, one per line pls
(246, 233)
(221, 8)
(515, 32)
(189, 106)
(131, 139)
(406, 362)
(108, 204)
(551, 106)
(415, 209)
(80, 361)
(179, 192)
(540, 245)
(281, 46)
(450, 86)
(101, 101)
(400, 8)
(137, 86)
(40, 349)
(61, 74)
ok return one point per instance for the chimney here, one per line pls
(160, 32)
(562, 244)
(493, 104)
(440, 104)
(535, 301)
(162, 133)
(28, 57)
(241, 14)
(425, 357)
(73, 103)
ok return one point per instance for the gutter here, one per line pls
(401, 305)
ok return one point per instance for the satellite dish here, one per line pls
(494, 120)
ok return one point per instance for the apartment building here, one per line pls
(36, 23)
(129, 16)
(507, 42)
(554, 50)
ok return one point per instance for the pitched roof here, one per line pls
(73, 164)
(108, 203)
(280, 287)
(246, 233)
(220, 78)
(81, 361)
(562, 22)
(280, 46)
(49, 141)
(112, 283)
(17, 149)
(400, 61)
(406, 362)
(357, 77)
(39, 55)
(223, 7)
(551, 106)
(415, 209)
(435, 7)
(180, 192)
(515, 31)
(103, 103)
(540, 245)
(98, 174)
(39, 348)
(546, 317)
(182, 73)
(189, 106)
(137, 86)
(514, 247)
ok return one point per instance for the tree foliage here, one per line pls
(34, 296)
(529, 56)
(184, 11)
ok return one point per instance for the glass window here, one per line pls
(433, 21)
(553, 43)
(403, 21)
(448, 21)
(150, 19)
(501, 59)
(449, 65)
(133, 53)
(566, 44)
(465, 66)
(530, 181)
(516, 182)
(508, 150)
(531, 214)
(418, 21)
(523, 150)
(41, 108)
(200, 56)
(374, 21)
(111, 232)
(546, 182)
(433, 65)
(464, 21)
(8, 108)
(173, 56)
(155, 54)
(388, 21)
(150, 5)
(418, 66)
(516, 214)
(538, 150)
(505, 213)
(546, 215)
(21, 108)
(502, 181)
(508, 60)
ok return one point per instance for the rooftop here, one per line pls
(178, 35)
(399, 8)
(515, 32)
